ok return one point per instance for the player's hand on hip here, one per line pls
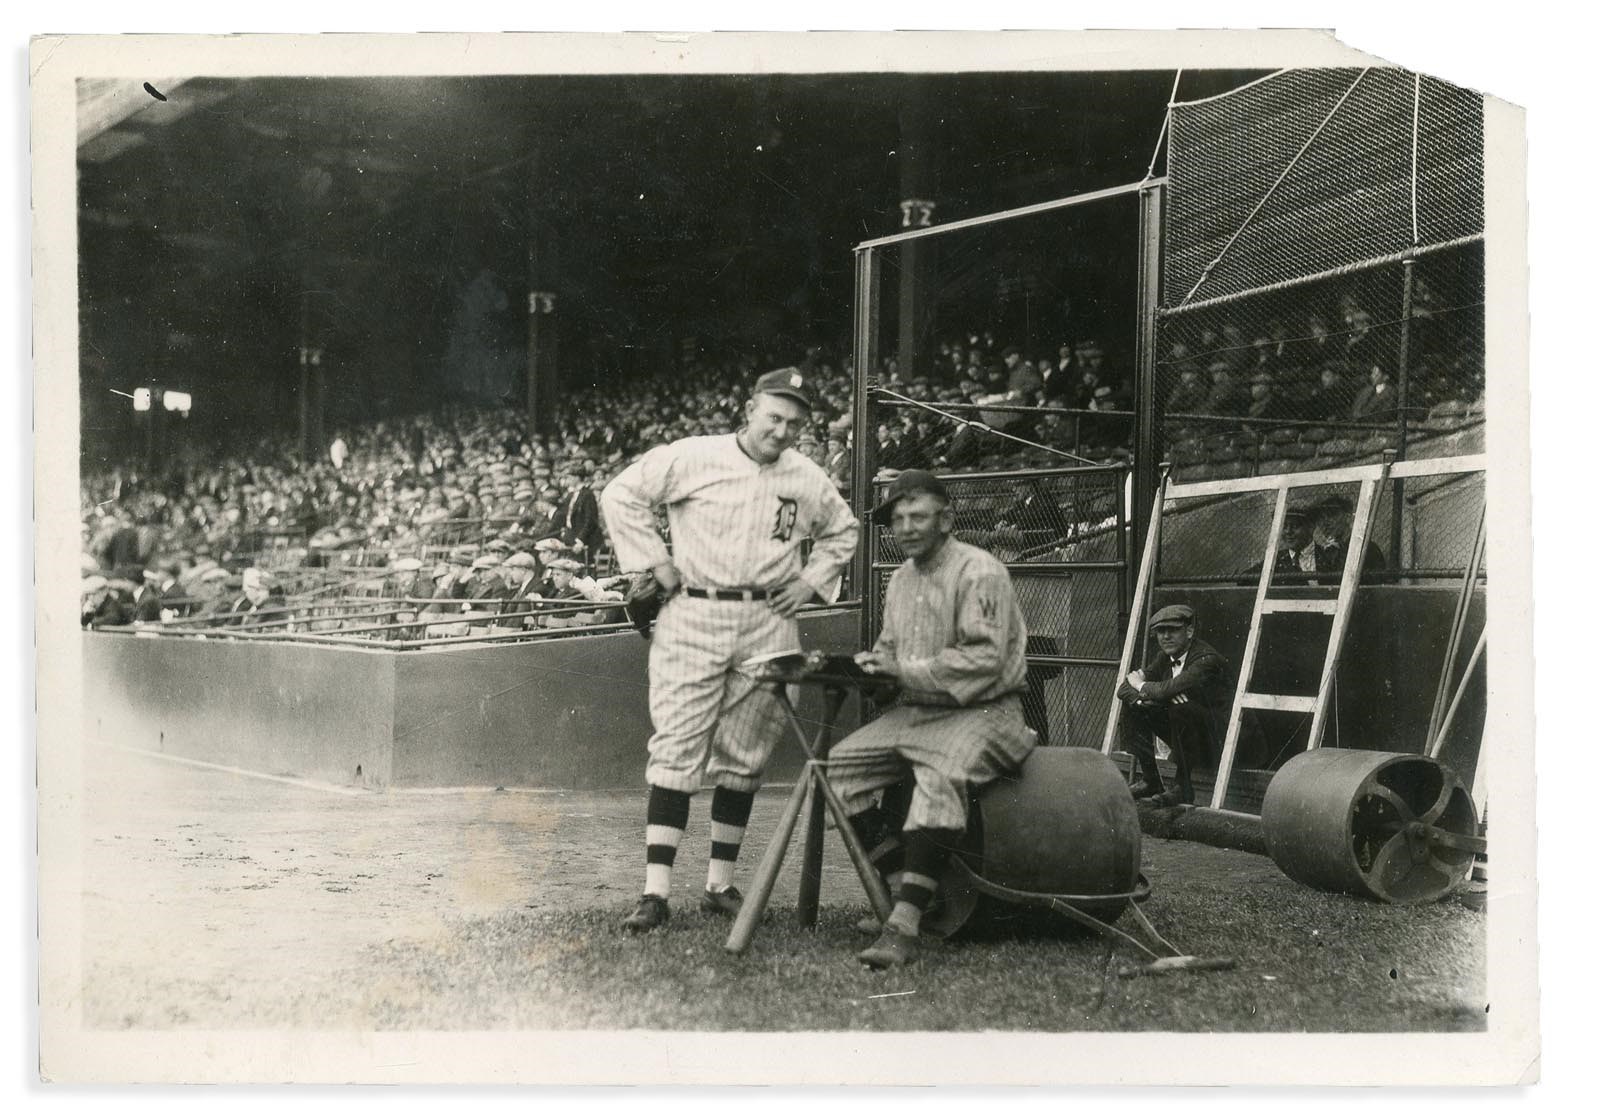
(667, 575)
(787, 602)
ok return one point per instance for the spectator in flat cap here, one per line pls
(1183, 698)
(521, 571)
(262, 602)
(160, 598)
(1333, 518)
(1296, 560)
(1190, 394)
(103, 604)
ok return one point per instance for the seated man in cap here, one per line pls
(521, 571)
(559, 585)
(262, 603)
(103, 604)
(953, 637)
(159, 597)
(1183, 698)
(1333, 520)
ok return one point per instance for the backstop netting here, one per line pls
(1323, 289)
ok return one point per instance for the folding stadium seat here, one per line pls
(1283, 435)
(1277, 466)
(1315, 435)
(1233, 469)
(1338, 449)
(1447, 415)
(1476, 405)
(1372, 448)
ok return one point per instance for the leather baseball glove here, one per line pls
(644, 601)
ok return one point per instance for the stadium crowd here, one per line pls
(455, 504)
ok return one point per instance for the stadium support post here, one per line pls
(863, 443)
(1148, 442)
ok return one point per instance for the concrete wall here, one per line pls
(561, 714)
(288, 709)
(572, 714)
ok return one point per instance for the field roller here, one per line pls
(1392, 827)
(1062, 835)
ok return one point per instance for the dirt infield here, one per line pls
(219, 900)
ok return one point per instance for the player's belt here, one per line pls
(749, 594)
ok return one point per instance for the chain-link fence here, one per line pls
(1323, 292)
(1063, 535)
(1423, 530)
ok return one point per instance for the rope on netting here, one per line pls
(986, 428)
(1235, 91)
(1334, 273)
(1166, 123)
(1284, 175)
(1416, 116)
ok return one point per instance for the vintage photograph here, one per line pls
(589, 544)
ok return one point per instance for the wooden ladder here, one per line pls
(1337, 607)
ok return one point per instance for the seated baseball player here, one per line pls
(954, 639)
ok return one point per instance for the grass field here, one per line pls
(214, 900)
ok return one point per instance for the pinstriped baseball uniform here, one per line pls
(735, 524)
(957, 632)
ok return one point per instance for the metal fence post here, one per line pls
(1148, 437)
(863, 457)
(1397, 492)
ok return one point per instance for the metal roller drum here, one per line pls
(1396, 828)
(1066, 826)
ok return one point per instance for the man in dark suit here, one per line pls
(1377, 401)
(522, 577)
(580, 515)
(1183, 698)
(159, 597)
(1331, 535)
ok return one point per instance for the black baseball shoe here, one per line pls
(652, 913)
(893, 948)
(1146, 789)
(726, 901)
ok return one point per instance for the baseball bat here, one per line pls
(766, 875)
(871, 880)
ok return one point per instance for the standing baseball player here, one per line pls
(738, 506)
(954, 638)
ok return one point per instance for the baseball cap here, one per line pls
(789, 382)
(1172, 615)
(909, 482)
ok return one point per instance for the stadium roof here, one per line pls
(219, 217)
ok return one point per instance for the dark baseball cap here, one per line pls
(789, 382)
(909, 482)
